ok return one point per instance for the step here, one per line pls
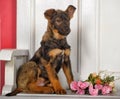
(69, 95)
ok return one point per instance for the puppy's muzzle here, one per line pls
(64, 31)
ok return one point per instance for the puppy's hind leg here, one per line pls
(34, 88)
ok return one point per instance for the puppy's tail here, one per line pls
(13, 93)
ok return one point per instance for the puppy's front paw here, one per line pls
(60, 91)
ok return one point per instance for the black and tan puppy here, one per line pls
(39, 75)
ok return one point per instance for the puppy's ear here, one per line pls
(70, 10)
(49, 13)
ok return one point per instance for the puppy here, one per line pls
(39, 74)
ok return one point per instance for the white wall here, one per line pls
(110, 35)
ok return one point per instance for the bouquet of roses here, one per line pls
(94, 85)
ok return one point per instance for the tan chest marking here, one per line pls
(57, 51)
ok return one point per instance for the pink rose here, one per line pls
(92, 91)
(98, 86)
(106, 90)
(80, 91)
(74, 85)
(83, 85)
